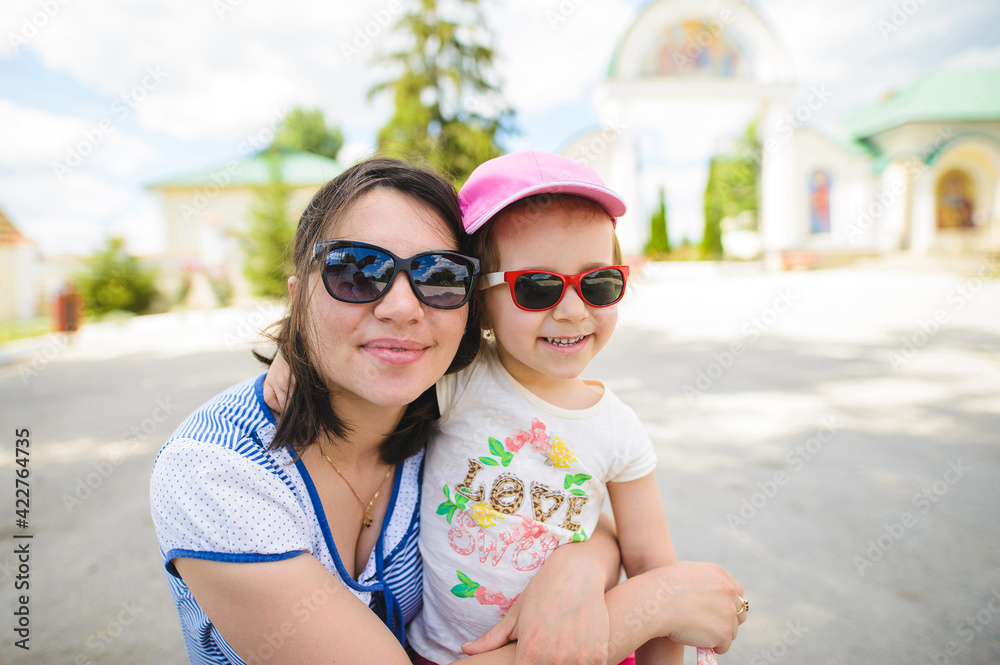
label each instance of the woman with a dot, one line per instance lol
(272, 532)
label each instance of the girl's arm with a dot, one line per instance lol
(645, 543)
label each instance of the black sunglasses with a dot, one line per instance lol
(538, 290)
(358, 272)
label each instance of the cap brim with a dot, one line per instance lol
(602, 196)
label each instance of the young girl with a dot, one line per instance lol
(526, 448)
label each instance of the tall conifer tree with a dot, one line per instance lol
(447, 104)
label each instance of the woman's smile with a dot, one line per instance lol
(397, 352)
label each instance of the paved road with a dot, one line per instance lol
(832, 438)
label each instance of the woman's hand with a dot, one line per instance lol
(277, 383)
(561, 617)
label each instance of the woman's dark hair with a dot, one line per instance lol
(308, 412)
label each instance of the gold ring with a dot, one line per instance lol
(745, 607)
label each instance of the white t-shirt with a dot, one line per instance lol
(508, 478)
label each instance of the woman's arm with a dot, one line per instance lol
(645, 543)
(291, 611)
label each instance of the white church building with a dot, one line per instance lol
(918, 171)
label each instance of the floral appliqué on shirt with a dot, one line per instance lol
(474, 511)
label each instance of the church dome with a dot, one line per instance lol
(699, 40)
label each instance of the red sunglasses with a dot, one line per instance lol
(538, 290)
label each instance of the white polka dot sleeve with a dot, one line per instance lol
(211, 502)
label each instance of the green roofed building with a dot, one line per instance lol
(917, 171)
(207, 210)
(936, 163)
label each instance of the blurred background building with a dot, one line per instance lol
(18, 273)
(208, 211)
(917, 170)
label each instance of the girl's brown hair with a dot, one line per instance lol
(308, 412)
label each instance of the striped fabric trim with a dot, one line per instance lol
(408, 587)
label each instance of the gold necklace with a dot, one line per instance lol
(367, 522)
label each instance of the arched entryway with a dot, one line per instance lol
(956, 200)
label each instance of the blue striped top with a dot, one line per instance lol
(217, 493)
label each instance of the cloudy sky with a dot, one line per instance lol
(99, 97)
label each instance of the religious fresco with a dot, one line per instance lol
(695, 47)
(955, 200)
(819, 202)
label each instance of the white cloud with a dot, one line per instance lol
(33, 138)
(555, 51)
(68, 209)
(64, 181)
(220, 74)
(63, 217)
(975, 58)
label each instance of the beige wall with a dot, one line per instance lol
(19, 295)
(204, 223)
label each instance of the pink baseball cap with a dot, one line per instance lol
(497, 183)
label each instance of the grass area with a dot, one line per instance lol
(19, 329)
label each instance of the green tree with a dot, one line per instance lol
(113, 280)
(659, 241)
(306, 129)
(447, 109)
(733, 184)
(267, 242)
